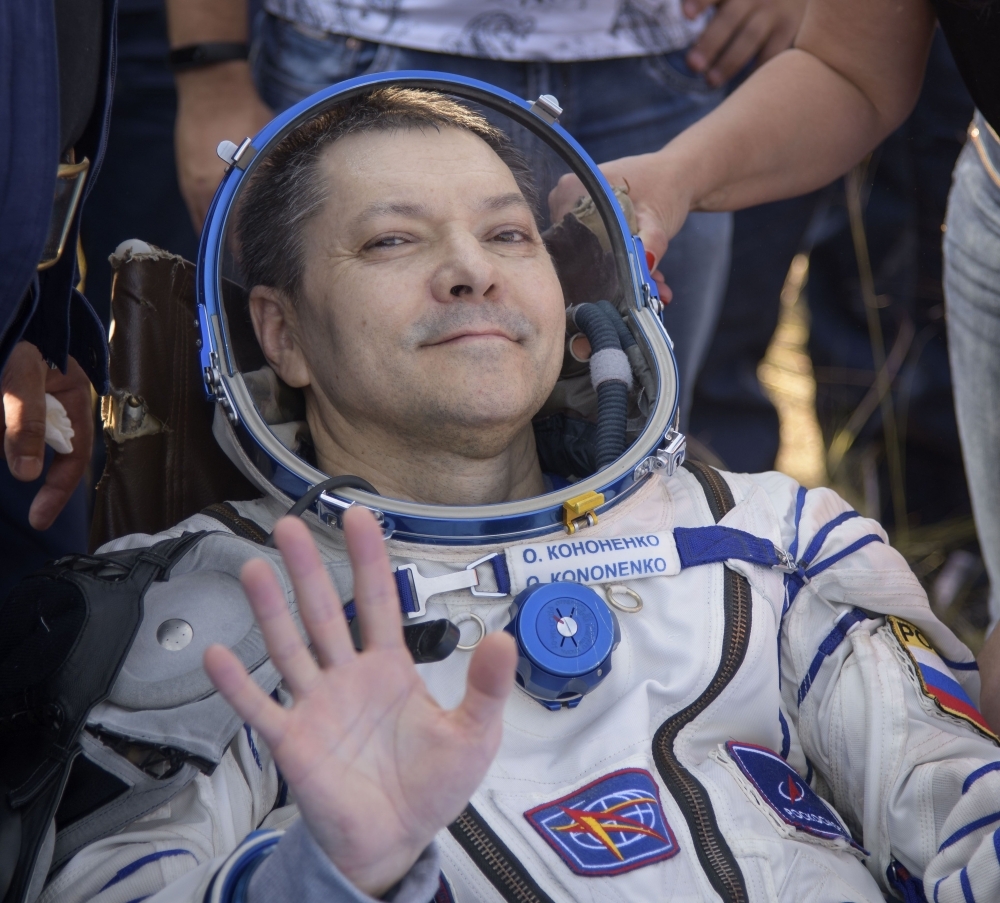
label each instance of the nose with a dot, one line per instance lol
(466, 271)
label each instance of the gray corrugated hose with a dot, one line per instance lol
(611, 376)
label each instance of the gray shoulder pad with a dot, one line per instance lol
(162, 695)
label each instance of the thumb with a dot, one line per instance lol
(652, 233)
(491, 676)
(24, 411)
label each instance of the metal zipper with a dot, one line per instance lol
(509, 877)
(713, 852)
(494, 860)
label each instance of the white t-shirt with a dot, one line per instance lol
(550, 30)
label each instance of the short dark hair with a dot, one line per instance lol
(283, 193)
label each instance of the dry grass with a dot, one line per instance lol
(787, 375)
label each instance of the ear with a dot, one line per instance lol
(274, 322)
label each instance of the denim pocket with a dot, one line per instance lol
(290, 63)
(672, 71)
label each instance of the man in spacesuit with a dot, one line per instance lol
(778, 714)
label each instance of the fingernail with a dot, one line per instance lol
(26, 467)
(650, 259)
(690, 10)
(696, 60)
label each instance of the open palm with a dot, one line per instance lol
(376, 765)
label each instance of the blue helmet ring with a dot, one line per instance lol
(268, 461)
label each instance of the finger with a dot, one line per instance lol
(744, 47)
(65, 471)
(719, 32)
(251, 703)
(490, 679)
(23, 386)
(666, 293)
(781, 39)
(564, 197)
(281, 636)
(652, 232)
(319, 604)
(375, 592)
(694, 8)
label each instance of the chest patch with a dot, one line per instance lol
(786, 792)
(936, 680)
(613, 825)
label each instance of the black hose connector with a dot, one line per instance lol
(346, 481)
(611, 377)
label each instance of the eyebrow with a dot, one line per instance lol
(490, 204)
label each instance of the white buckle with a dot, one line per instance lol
(472, 567)
(425, 587)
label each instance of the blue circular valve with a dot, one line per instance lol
(565, 635)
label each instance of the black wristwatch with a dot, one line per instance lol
(197, 56)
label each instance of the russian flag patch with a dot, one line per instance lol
(613, 825)
(936, 680)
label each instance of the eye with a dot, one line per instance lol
(512, 236)
(385, 241)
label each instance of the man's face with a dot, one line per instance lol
(430, 308)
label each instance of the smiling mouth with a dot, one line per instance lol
(473, 336)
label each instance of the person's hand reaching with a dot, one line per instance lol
(26, 378)
(740, 31)
(376, 766)
(660, 201)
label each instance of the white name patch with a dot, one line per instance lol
(585, 560)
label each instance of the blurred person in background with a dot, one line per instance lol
(138, 195)
(630, 74)
(56, 75)
(903, 202)
(809, 114)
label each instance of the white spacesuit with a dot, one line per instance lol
(775, 712)
(695, 709)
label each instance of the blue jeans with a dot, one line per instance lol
(614, 108)
(972, 295)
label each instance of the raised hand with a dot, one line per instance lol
(376, 766)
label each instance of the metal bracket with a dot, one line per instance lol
(547, 108)
(331, 509)
(236, 155)
(668, 458)
(217, 389)
(650, 300)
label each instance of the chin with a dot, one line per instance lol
(475, 424)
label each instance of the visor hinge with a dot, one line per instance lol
(651, 300)
(666, 459)
(238, 155)
(547, 108)
(581, 511)
(216, 388)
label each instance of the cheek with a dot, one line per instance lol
(550, 310)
